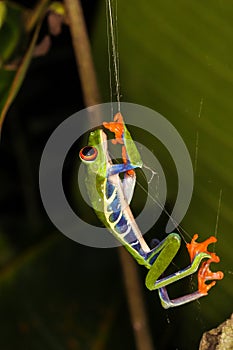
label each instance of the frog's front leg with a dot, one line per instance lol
(128, 185)
(166, 251)
(121, 168)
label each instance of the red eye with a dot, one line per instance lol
(88, 153)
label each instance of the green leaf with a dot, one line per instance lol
(176, 58)
(12, 32)
(19, 31)
(3, 12)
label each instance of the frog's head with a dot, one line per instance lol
(95, 154)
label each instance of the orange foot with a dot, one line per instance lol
(117, 127)
(204, 273)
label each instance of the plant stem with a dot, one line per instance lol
(82, 52)
(35, 14)
(136, 303)
(91, 97)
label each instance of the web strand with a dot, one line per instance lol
(218, 214)
(109, 59)
(112, 42)
(197, 138)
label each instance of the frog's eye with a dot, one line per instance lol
(88, 154)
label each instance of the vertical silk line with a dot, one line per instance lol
(115, 55)
(109, 58)
(196, 152)
(117, 49)
(197, 138)
(200, 109)
(218, 213)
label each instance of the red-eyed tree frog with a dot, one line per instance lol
(113, 209)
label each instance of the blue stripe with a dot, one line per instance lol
(114, 216)
(122, 226)
(109, 189)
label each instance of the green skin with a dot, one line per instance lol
(98, 173)
(12, 32)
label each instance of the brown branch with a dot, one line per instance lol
(37, 13)
(82, 52)
(135, 301)
(91, 97)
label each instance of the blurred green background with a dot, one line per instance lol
(176, 58)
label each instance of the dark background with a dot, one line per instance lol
(55, 293)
